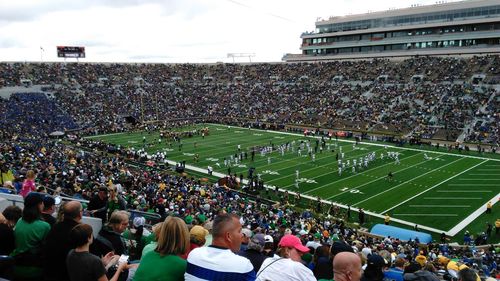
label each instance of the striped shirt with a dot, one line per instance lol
(218, 264)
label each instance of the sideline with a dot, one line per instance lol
(105, 135)
(461, 225)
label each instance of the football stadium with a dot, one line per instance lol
(373, 154)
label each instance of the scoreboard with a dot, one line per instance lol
(70, 52)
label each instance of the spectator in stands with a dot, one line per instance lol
(467, 274)
(28, 184)
(83, 265)
(288, 265)
(219, 261)
(315, 242)
(247, 233)
(6, 174)
(49, 207)
(165, 263)
(58, 244)
(427, 273)
(8, 219)
(347, 267)
(152, 245)
(375, 268)
(324, 270)
(322, 263)
(396, 272)
(139, 235)
(99, 203)
(421, 259)
(115, 201)
(412, 267)
(110, 237)
(30, 233)
(254, 251)
(198, 238)
(269, 246)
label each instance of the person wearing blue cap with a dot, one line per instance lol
(375, 269)
(49, 207)
(254, 251)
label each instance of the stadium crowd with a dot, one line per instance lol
(376, 96)
(199, 222)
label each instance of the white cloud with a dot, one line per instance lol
(167, 30)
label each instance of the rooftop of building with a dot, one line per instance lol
(440, 6)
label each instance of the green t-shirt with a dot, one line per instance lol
(29, 236)
(148, 248)
(113, 206)
(158, 268)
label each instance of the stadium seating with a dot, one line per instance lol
(304, 93)
(95, 98)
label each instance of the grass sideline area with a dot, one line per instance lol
(429, 187)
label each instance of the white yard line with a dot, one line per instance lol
(457, 228)
(462, 191)
(106, 135)
(439, 206)
(472, 184)
(452, 198)
(479, 179)
(396, 186)
(432, 187)
(428, 215)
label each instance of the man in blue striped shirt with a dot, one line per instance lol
(218, 261)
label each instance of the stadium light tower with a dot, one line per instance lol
(241, 55)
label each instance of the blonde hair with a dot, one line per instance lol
(173, 238)
(117, 217)
(30, 174)
(156, 230)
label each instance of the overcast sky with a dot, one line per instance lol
(167, 30)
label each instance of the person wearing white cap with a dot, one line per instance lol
(269, 246)
(247, 233)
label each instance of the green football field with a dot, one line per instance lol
(437, 190)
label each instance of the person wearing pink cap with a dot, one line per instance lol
(288, 265)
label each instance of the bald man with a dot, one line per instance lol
(347, 267)
(57, 243)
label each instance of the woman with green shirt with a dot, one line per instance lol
(164, 263)
(30, 233)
